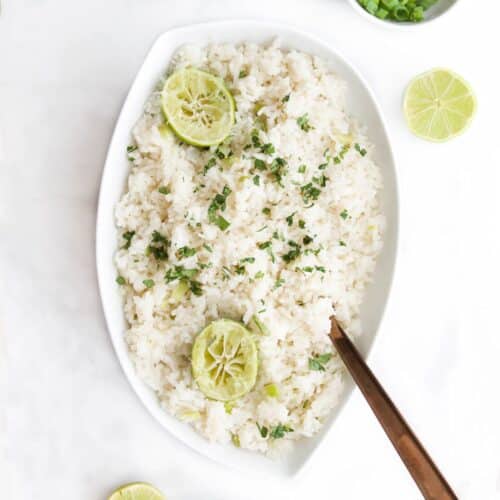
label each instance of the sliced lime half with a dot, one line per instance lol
(438, 105)
(136, 491)
(198, 106)
(224, 360)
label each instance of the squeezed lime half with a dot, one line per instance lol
(439, 105)
(136, 491)
(224, 360)
(198, 107)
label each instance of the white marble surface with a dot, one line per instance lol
(74, 427)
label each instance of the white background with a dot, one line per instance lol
(74, 427)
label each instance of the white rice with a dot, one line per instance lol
(345, 223)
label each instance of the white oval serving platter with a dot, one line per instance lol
(361, 104)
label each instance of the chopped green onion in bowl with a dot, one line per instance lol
(406, 11)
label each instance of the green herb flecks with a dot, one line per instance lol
(259, 164)
(120, 280)
(344, 214)
(289, 219)
(279, 431)
(148, 283)
(293, 253)
(163, 190)
(184, 252)
(219, 203)
(263, 430)
(278, 170)
(159, 246)
(127, 236)
(338, 159)
(211, 163)
(267, 149)
(303, 123)
(317, 363)
(243, 73)
(278, 283)
(359, 149)
(309, 192)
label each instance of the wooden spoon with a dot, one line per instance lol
(431, 482)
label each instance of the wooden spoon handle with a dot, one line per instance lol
(431, 482)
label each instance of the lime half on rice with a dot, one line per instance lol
(438, 105)
(136, 491)
(224, 360)
(198, 106)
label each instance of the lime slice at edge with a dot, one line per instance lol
(136, 491)
(438, 105)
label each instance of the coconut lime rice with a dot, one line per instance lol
(277, 228)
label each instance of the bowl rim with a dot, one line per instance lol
(102, 220)
(401, 26)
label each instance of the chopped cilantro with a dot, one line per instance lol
(317, 363)
(263, 245)
(251, 260)
(302, 224)
(342, 243)
(286, 98)
(148, 283)
(208, 248)
(256, 180)
(195, 287)
(309, 192)
(120, 280)
(279, 431)
(239, 269)
(293, 253)
(211, 163)
(259, 164)
(219, 203)
(289, 219)
(131, 149)
(321, 180)
(303, 123)
(266, 210)
(127, 236)
(267, 149)
(243, 73)
(307, 239)
(263, 430)
(159, 246)
(180, 273)
(259, 275)
(184, 252)
(359, 149)
(302, 169)
(278, 169)
(344, 214)
(163, 190)
(279, 282)
(255, 138)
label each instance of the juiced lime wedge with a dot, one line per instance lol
(439, 105)
(198, 106)
(136, 491)
(224, 360)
